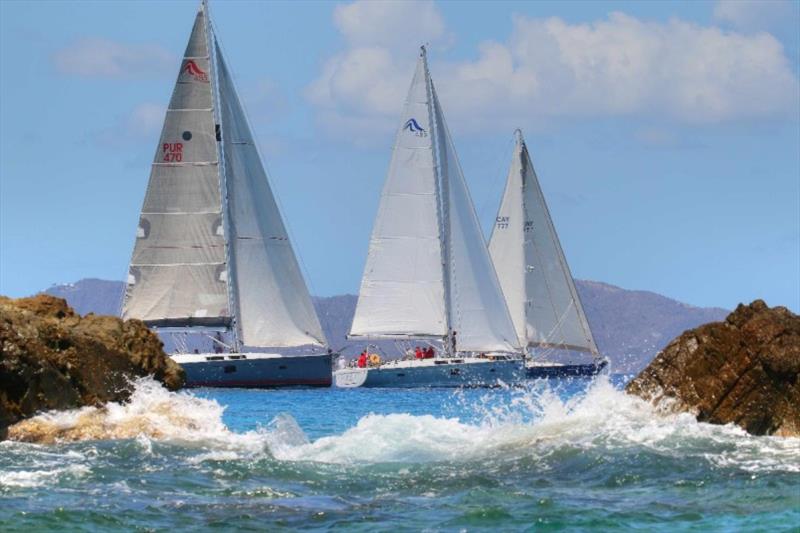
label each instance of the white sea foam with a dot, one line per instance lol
(535, 422)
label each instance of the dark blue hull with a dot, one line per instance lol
(563, 371)
(257, 373)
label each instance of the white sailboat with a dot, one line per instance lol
(212, 255)
(533, 272)
(428, 274)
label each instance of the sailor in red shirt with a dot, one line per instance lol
(418, 354)
(362, 360)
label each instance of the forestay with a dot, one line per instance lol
(178, 270)
(274, 306)
(531, 266)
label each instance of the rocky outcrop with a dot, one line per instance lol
(52, 358)
(745, 370)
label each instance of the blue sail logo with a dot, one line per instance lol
(413, 126)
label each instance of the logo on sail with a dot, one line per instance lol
(413, 126)
(194, 71)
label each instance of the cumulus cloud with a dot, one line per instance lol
(390, 23)
(146, 119)
(98, 57)
(550, 69)
(758, 15)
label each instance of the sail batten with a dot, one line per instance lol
(533, 271)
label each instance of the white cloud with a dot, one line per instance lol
(146, 119)
(757, 15)
(550, 69)
(389, 23)
(98, 57)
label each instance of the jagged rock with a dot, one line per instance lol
(745, 370)
(52, 358)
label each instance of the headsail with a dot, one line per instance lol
(274, 306)
(531, 266)
(402, 290)
(478, 311)
(178, 272)
(428, 270)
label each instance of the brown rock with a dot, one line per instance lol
(52, 358)
(745, 370)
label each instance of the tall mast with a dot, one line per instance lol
(211, 43)
(441, 204)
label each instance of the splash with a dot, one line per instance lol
(152, 412)
(523, 424)
(536, 424)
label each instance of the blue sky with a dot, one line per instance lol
(666, 135)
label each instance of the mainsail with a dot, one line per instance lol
(428, 272)
(531, 266)
(203, 258)
(178, 272)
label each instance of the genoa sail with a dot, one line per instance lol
(428, 271)
(530, 263)
(274, 305)
(178, 271)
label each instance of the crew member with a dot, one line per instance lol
(362, 360)
(418, 353)
(429, 353)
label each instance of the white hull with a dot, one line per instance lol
(440, 372)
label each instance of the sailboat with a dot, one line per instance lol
(428, 275)
(212, 257)
(536, 280)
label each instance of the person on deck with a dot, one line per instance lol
(418, 354)
(362, 360)
(429, 353)
(453, 338)
(218, 344)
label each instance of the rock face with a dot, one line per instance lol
(52, 358)
(745, 370)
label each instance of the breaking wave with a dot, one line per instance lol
(527, 424)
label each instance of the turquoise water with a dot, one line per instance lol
(557, 455)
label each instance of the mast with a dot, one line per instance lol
(211, 42)
(442, 204)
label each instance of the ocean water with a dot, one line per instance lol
(577, 455)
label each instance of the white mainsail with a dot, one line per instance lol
(202, 257)
(428, 271)
(178, 272)
(402, 290)
(274, 306)
(531, 266)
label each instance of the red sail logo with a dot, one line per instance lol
(194, 71)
